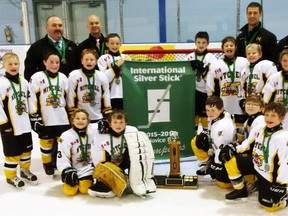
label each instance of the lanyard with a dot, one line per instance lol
(61, 51)
(83, 149)
(100, 52)
(202, 59)
(285, 98)
(52, 90)
(121, 145)
(18, 97)
(266, 149)
(232, 73)
(91, 87)
(250, 80)
(251, 40)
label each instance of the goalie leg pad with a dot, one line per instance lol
(111, 175)
(141, 164)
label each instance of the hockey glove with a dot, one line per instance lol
(69, 176)
(36, 123)
(103, 126)
(215, 167)
(227, 152)
(197, 65)
(202, 141)
(279, 193)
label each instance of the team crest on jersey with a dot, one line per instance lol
(230, 88)
(21, 109)
(259, 39)
(220, 133)
(258, 159)
(50, 100)
(86, 98)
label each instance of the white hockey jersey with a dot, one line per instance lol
(101, 147)
(8, 105)
(258, 75)
(276, 168)
(276, 86)
(230, 92)
(105, 63)
(258, 121)
(221, 131)
(70, 153)
(208, 59)
(41, 93)
(79, 93)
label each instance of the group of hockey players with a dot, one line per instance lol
(97, 152)
(241, 102)
(243, 111)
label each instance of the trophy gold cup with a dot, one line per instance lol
(174, 179)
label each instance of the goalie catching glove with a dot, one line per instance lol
(227, 152)
(202, 141)
(69, 176)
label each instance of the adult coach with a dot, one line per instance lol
(53, 41)
(96, 39)
(253, 32)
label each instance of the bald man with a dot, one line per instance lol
(96, 39)
(67, 49)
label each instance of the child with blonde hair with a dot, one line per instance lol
(15, 124)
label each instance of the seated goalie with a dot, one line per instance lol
(123, 156)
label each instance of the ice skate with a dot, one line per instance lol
(49, 170)
(28, 176)
(16, 182)
(237, 195)
(99, 189)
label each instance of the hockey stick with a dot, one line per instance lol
(156, 109)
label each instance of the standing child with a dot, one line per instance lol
(200, 62)
(259, 70)
(276, 86)
(111, 64)
(48, 107)
(14, 123)
(225, 80)
(89, 88)
(74, 155)
(206, 147)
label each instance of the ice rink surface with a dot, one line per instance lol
(47, 198)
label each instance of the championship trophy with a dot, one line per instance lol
(175, 179)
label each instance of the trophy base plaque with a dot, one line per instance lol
(175, 180)
(181, 182)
